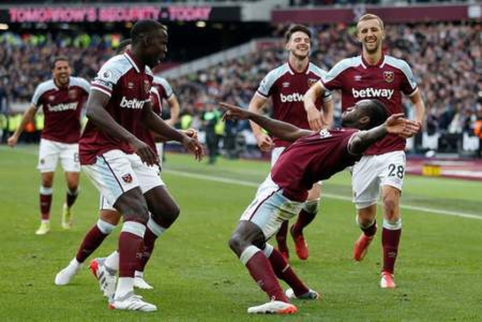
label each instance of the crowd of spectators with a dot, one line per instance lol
(445, 57)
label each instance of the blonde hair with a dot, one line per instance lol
(370, 16)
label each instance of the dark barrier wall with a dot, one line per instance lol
(409, 13)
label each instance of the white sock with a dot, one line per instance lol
(45, 221)
(125, 285)
(112, 261)
(139, 274)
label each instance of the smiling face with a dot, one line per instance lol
(370, 33)
(61, 73)
(299, 45)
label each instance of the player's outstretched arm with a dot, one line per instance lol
(192, 133)
(395, 124)
(282, 130)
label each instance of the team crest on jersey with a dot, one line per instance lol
(311, 81)
(147, 86)
(127, 178)
(388, 76)
(72, 94)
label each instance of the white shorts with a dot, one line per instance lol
(374, 171)
(104, 204)
(270, 208)
(116, 172)
(51, 151)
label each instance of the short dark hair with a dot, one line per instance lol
(377, 112)
(295, 28)
(371, 16)
(122, 45)
(143, 28)
(56, 59)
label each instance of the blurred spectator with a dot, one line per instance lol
(210, 119)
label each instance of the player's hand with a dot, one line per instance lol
(233, 112)
(411, 129)
(315, 119)
(144, 152)
(397, 124)
(265, 143)
(192, 133)
(12, 141)
(194, 146)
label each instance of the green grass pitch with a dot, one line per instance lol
(197, 278)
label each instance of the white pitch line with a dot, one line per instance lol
(324, 195)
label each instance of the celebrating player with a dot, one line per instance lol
(61, 100)
(122, 166)
(382, 168)
(314, 156)
(286, 85)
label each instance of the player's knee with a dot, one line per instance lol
(172, 214)
(364, 222)
(165, 216)
(135, 211)
(311, 206)
(390, 207)
(235, 243)
(238, 242)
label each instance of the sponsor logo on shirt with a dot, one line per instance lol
(62, 107)
(295, 97)
(133, 103)
(372, 92)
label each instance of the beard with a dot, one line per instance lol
(372, 50)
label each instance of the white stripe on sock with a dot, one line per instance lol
(134, 228)
(249, 252)
(155, 228)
